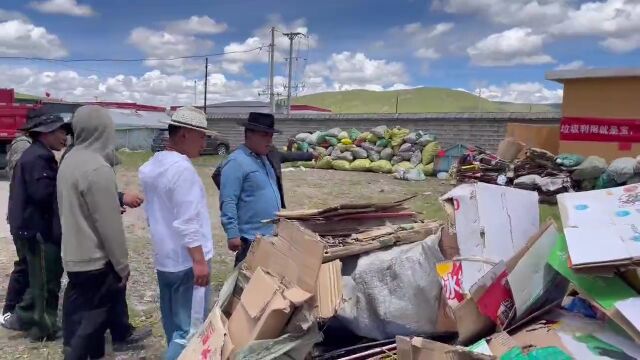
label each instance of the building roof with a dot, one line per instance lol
(309, 108)
(564, 75)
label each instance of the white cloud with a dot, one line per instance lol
(6, 15)
(532, 13)
(21, 38)
(427, 54)
(578, 64)
(530, 92)
(154, 87)
(197, 25)
(163, 44)
(516, 46)
(347, 71)
(262, 37)
(622, 45)
(617, 20)
(63, 7)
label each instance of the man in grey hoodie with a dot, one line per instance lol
(94, 249)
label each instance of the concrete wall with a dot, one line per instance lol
(481, 129)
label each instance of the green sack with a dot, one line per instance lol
(325, 163)
(341, 165)
(383, 143)
(606, 181)
(397, 136)
(343, 147)
(405, 165)
(544, 353)
(303, 146)
(381, 166)
(372, 139)
(343, 135)
(361, 165)
(331, 140)
(354, 134)
(569, 160)
(429, 153)
(429, 169)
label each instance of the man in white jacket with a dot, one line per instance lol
(176, 207)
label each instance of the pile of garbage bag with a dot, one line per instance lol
(547, 173)
(408, 154)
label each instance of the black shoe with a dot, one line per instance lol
(13, 323)
(133, 341)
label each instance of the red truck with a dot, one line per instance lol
(12, 117)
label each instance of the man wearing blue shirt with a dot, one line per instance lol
(249, 192)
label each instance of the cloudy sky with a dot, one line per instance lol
(498, 48)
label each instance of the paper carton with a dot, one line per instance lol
(295, 255)
(601, 226)
(417, 348)
(329, 290)
(263, 310)
(492, 223)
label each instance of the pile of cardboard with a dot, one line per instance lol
(280, 280)
(529, 300)
(354, 229)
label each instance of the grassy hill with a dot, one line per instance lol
(418, 100)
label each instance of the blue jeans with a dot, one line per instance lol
(183, 306)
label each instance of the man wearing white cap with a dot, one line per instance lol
(176, 207)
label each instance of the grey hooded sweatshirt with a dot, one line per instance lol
(92, 230)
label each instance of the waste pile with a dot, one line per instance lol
(408, 154)
(372, 281)
(544, 172)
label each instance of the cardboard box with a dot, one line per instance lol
(545, 137)
(601, 226)
(210, 340)
(492, 223)
(329, 290)
(263, 311)
(417, 348)
(295, 255)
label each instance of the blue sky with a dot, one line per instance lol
(500, 49)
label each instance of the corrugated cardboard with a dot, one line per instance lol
(211, 340)
(329, 289)
(424, 349)
(295, 255)
(601, 226)
(545, 137)
(263, 311)
(492, 223)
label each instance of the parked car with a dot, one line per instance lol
(216, 144)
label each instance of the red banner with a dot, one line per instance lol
(603, 130)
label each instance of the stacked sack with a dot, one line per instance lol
(594, 173)
(380, 150)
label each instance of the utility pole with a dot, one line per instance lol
(292, 36)
(271, 69)
(195, 92)
(206, 80)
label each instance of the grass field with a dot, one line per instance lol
(304, 189)
(418, 100)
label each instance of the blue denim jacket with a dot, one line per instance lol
(248, 195)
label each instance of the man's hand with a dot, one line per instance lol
(200, 273)
(132, 200)
(234, 244)
(125, 279)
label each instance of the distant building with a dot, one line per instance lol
(600, 112)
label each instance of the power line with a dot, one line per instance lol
(130, 60)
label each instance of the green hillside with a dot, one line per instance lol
(418, 100)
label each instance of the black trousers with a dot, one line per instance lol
(244, 250)
(18, 281)
(91, 299)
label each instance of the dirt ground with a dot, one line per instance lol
(305, 189)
